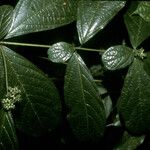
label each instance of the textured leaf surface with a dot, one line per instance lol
(93, 16)
(39, 109)
(134, 102)
(143, 10)
(6, 13)
(8, 138)
(86, 111)
(36, 15)
(138, 29)
(147, 63)
(129, 142)
(60, 52)
(117, 57)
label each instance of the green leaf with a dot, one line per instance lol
(117, 57)
(129, 142)
(134, 102)
(143, 10)
(40, 107)
(93, 16)
(8, 139)
(147, 63)
(6, 13)
(60, 52)
(138, 29)
(36, 15)
(86, 111)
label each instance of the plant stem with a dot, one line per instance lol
(48, 46)
(90, 49)
(25, 44)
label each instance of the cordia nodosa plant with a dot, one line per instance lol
(74, 73)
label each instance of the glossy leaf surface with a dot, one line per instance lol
(8, 138)
(60, 52)
(93, 16)
(36, 15)
(86, 111)
(134, 102)
(6, 13)
(40, 108)
(117, 57)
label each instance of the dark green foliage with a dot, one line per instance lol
(134, 101)
(86, 110)
(129, 142)
(6, 12)
(75, 97)
(8, 137)
(143, 10)
(138, 29)
(101, 12)
(117, 57)
(36, 15)
(60, 52)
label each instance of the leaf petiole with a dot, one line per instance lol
(48, 46)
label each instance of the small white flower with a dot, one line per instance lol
(140, 53)
(13, 95)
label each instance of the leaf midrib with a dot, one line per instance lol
(138, 88)
(83, 96)
(24, 91)
(138, 32)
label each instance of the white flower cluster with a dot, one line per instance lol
(140, 53)
(13, 95)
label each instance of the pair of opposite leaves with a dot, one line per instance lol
(134, 101)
